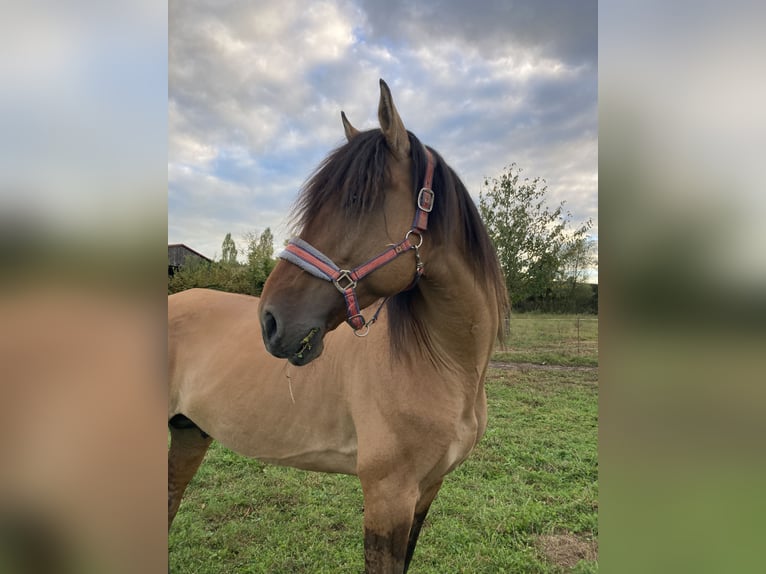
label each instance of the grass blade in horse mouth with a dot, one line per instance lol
(306, 343)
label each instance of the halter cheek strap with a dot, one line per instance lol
(313, 261)
(316, 263)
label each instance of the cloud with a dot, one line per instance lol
(556, 29)
(256, 89)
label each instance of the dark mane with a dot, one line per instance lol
(352, 178)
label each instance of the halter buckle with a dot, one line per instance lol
(345, 275)
(426, 200)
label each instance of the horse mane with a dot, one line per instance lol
(352, 178)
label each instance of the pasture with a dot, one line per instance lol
(526, 500)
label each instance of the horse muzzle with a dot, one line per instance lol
(300, 345)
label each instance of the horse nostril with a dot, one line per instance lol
(269, 326)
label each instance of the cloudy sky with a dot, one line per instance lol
(256, 89)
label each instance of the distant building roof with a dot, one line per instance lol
(178, 252)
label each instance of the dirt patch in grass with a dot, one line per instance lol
(566, 550)
(535, 366)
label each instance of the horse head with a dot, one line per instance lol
(362, 219)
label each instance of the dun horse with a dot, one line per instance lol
(386, 227)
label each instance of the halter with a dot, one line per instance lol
(313, 261)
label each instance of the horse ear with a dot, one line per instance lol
(351, 131)
(391, 124)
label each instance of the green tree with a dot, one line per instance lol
(199, 273)
(228, 274)
(260, 258)
(228, 251)
(534, 243)
(578, 258)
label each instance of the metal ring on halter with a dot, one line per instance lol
(363, 332)
(416, 232)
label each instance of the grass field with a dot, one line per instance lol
(570, 340)
(526, 500)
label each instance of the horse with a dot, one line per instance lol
(398, 398)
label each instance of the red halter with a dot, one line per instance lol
(313, 261)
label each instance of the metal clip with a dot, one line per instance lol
(418, 262)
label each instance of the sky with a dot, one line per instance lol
(256, 89)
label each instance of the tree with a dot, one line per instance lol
(260, 258)
(534, 244)
(228, 251)
(228, 274)
(200, 273)
(578, 258)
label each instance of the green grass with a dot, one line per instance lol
(570, 340)
(531, 484)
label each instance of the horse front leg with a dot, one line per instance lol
(421, 510)
(389, 508)
(188, 445)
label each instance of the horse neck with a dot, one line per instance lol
(460, 315)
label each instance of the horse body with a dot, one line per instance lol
(401, 407)
(314, 417)
(243, 399)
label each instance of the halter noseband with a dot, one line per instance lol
(316, 263)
